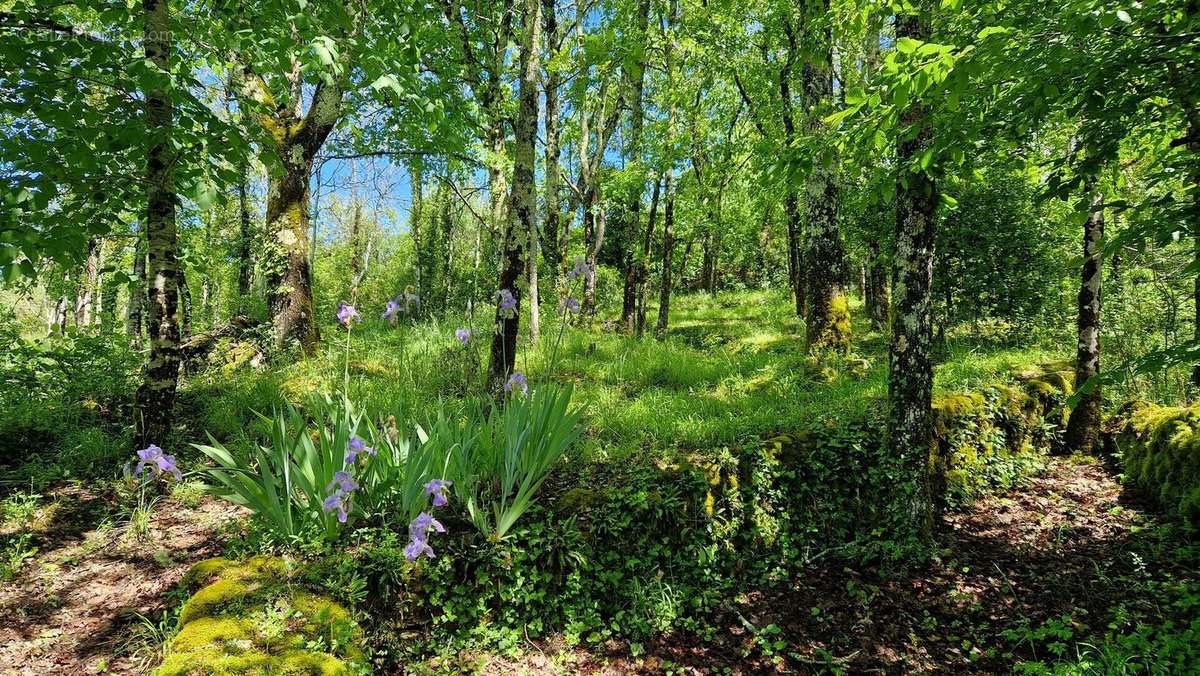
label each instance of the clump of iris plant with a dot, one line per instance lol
(390, 312)
(347, 314)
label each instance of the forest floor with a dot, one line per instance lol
(1021, 576)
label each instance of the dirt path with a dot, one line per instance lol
(72, 608)
(1061, 552)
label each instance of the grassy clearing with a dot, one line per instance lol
(731, 368)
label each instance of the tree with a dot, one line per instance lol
(523, 203)
(156, 396)
(910, 368)
(1083, 424)
(828, 318)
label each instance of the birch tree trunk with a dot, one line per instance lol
(1083, 425)
(85, 296)
(668, 247)
(156, 396)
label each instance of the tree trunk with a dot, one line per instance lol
(156, 396)
(910, 374)
(85, 296)
(417, 179)
(245, 239)
(636, 73)
(535, 310)
(522, 216)
(1083, 425)
(828, 319)
(289, 277)
(554, 243)
(791, 200)
(643, 261)
(876, 295)
(137, 291)
(593, 239)
(668, 247)
(708, 268)
(108, 296)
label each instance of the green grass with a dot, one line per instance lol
(731, 369)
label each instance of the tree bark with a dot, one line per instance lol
(156, 396)
(643, 261)
(137, 291)
(877, 298)
(593, 239)
(417, 179)
(554, 243)
(245, 239)
(1083, 425)
(632, 216)
(522, 214)
(85, 295)
(289, 277)
(668, 247)
(828, 318)
(910, 374)
(791, 200)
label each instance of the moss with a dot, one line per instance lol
(1160, 451)
(246, 619)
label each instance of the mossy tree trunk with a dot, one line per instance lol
(522, 199)
(85, 295)
(910, 375)
(289, 277)
(1083, 425)
(828, 317)
(156, 395)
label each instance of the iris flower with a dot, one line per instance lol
(437, 490)
(517, 381)
(159, 463)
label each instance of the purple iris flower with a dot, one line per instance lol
(346, 314)
(581, 269)
(341, 502)
(416, 548)
(508, 303)
(355, 448)
(344, 481)
(391, 310)
(517, 381)
(418, 533)
(572, 305)
(463, 336)
(437, 489)
(158, 462)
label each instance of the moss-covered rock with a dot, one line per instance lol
(250, 617)
(1159, 448)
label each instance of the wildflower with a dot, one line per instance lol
(508, 303)
(437, 489)
(572, 305)
(340, 500)
(418, 533)
(346, 313)
(344, 481)
(463, 335)
(581, 269)
(159, 463)
(355, 448)
(517, 381)
(390, 311)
